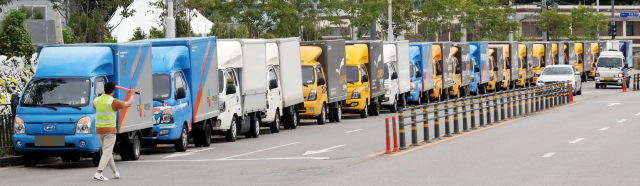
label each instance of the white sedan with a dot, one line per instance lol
(561, 73)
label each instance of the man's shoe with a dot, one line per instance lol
(99, 177)
(116, 175)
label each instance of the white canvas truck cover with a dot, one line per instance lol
(404, 81)
(288, 67)
(253, 87)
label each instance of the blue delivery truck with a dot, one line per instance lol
(421, 73)
(55, 117)
(481, 67)
(185, 91)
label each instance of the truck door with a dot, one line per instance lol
(99, 87)
(232, 99)
(323, 87)
(182, 103)
(274, 91)
(363, 71)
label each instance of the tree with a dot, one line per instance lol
(157, 33)
(363, 14)
(138, 34)
(227, 31)
(437, 16)
(587, 24)
(87, 19)
(4, 3)
(489, 19)
(402, 17)
(557, 25)
(14, 35)
(332, 10)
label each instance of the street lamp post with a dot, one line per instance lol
(170, 22)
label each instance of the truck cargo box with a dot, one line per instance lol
(570, 53)
(334, 65)
(201, 73)
(402, 65)
(514, 58)
(587, 56)
(288, 67)
(252, 71)
(528, 58)
(482, 55)
(465, 63)
(548, 53)
(126, 64)
(447, 64)
(374, 66)
(499, 59)
(424, 58)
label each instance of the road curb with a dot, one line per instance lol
(17, 161)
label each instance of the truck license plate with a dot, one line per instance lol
(608, 79)
(49, 141)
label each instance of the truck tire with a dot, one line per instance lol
(206, 135)
(182, 142)
(275, 125)
(286, 119)
(394, 107)
(377, 108)
(255, 129)
(364, 112)
(330, 115)
(231, 134)
(131, 151)
(293, 120)
(66, 159)
(322, 118)
(96, 158)
(30, 160)
(337, 114)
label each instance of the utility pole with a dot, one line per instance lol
(613, 20)
(510, 32)
(170, 22)
(177, 18)
(390, 27)
(598, 13)
(543, 5)
(58, 25)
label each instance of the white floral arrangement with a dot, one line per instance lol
(15, 72)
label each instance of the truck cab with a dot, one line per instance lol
(493, 73)
(421, 65)
(524, 74)
(554, 53)
(457, 73)
(55, 116)
(481, 67)
(314, 84)
(611, 68)
(390, 78)
(595, 52)
(538, 62)
(230, 103)
(505, 81)
(358, 79)
(580, 60)
(436, 94)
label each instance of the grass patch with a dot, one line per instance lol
(7, 151)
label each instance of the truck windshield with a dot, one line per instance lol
(71, 92)
(557, 71)
(608, 62)
(386, 71)
(161, 86)
(308, 75)
(535, 62)
(353, 76)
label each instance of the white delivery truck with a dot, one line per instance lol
(242, 91)
(396, 74)
(284, 77)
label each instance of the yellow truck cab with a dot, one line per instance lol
(436, 52)
(364, 77)
(538, 61)
(456, 66)
(491, 86)
(324, 80)
(462, 69)
(525, 55)
(595, 52)
(506, 68)
(554, 53)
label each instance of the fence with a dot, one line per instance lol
(6, 127)
(636, 84)
(506, 105)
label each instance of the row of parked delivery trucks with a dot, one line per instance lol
(193, 88)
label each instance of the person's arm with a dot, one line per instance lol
(130, 100)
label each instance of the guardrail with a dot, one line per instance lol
(636, 79)
(506, 105)
(6, 126)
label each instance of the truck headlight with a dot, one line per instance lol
(18, 126)
(491, 78)
(620, 74)
(541, 82)
(537, 74)
(84, 125)
(413, 87)
(355, 94)
(223, 105)
(313, 95)
(166, 117)
(597, 74)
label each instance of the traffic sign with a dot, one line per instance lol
(629, 15)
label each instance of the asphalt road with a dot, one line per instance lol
(587, 143)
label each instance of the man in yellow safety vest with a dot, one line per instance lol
(106, 115)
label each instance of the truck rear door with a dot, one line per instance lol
(133, 71)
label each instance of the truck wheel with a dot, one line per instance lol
(134, 148)
(96, 158)
(66, 159)
(337, 114)
(255, 129)
(206, 135)
(286, 121)
(294, 120)
(364, 112)
(394, 107)
(330, 115)
(322, 118)
(231, 134)
(183, 141)
(30, 160)
(275, 125)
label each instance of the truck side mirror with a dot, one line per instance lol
(419, 74)
(365, 78)
(476, 68)
(273, 84)
(458, 70)
(15, 98)
(495, 68)
(394, 75)
(438, 72)
(181, 93)
(322, 81)
(231, 89)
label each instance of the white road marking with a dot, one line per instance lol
(622, 120)
(353, 131)
(612, 104)
(322, 151)
(604, 128)
(189, 152)
(586, 92)
(638, 114)
(548, 154)
(260, 150)
(577, 140)
(205, 160)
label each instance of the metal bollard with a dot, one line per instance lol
(502, 107)
(537, 99)
(473, 114)
(520, 102)
(425, 123)
(481, 112)
(488, 111)
(395, 134)
(495, 108)
(403, 142)
(414, 128)
(546, 98)
(447, 129)
(456, 124)
(436, 122)
(388, 151)
(465, 128)
(509, 95)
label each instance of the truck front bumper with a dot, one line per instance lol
(413, 96)
(355, 104)
(169, 131)
(609, 81)
(311, 108)
(389, 99)
(72, 143)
